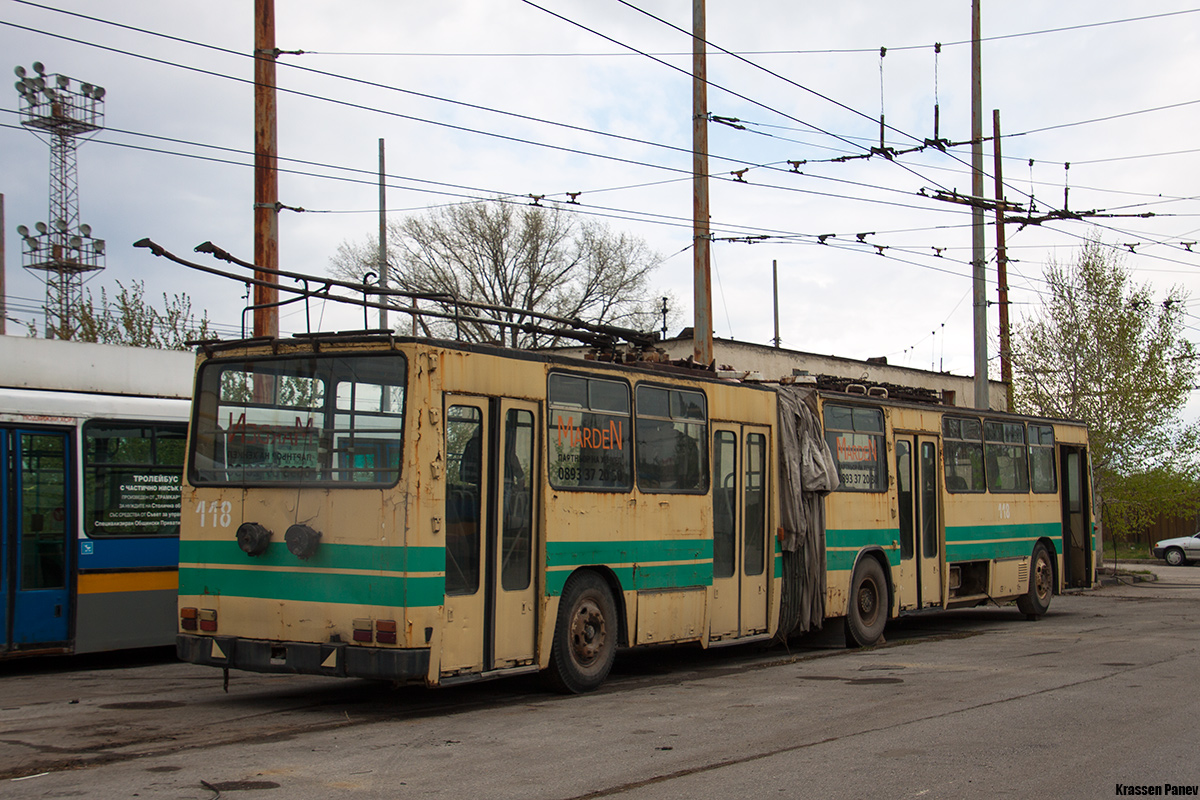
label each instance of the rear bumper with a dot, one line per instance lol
(335, 659)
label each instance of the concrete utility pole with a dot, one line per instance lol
(775, 294)
(702, 336)
(978, 257)
(1002, 266)
(266, 175)
(383, 259)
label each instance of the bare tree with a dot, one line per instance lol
(519, 258)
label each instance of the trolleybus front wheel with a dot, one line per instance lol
(585, 636)
(868, 610)
(1036, 602)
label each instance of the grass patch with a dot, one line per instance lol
(1125, 551)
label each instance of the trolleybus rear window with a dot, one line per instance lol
(332, 419)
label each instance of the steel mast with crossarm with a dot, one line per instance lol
(60, 110)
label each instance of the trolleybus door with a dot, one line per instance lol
(489, 618)
(919, 577)
(36, 524)
(1077, 555)
(741, 556)
(513, 538)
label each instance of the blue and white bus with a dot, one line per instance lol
(91, 453)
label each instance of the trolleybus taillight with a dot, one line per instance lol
(382, 631)
(203, 618)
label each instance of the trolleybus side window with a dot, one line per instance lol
(590, 433)
(672, 440)
(1042, 475)
(963, 454)
(332, 419)
(131, 474)
(855, 437)
(1006, 457)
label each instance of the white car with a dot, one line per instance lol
(1178, 551)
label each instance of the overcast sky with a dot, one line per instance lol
(490, 98)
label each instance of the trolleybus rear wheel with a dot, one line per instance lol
(1036, 601)
(868, 610)
(585, 636)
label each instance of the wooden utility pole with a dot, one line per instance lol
(978, 256)
(266, 175)
(383, 259)
(702, 336)
(1002, 265)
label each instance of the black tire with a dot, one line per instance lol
(585, 635)
(1174, 557)
(868, 611)
(1036, 602)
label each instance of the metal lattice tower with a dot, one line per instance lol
(60, 110)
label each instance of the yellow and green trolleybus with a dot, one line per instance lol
(432, 511)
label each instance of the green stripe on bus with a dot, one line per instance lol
(648, 558)
(570, 554)
(1036, 530)
(643, 577)
(314, 586)
(859, 538)
(844, 559)
(984, 542)
(328, 556)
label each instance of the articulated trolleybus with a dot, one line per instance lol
(429, 511)
(92, 440)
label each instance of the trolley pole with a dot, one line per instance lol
(266, 175)
(702, 335)
(978, 258)
(1002, 266)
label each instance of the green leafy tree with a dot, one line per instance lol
(1103, 350)
(130, 319)
(524, 258)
